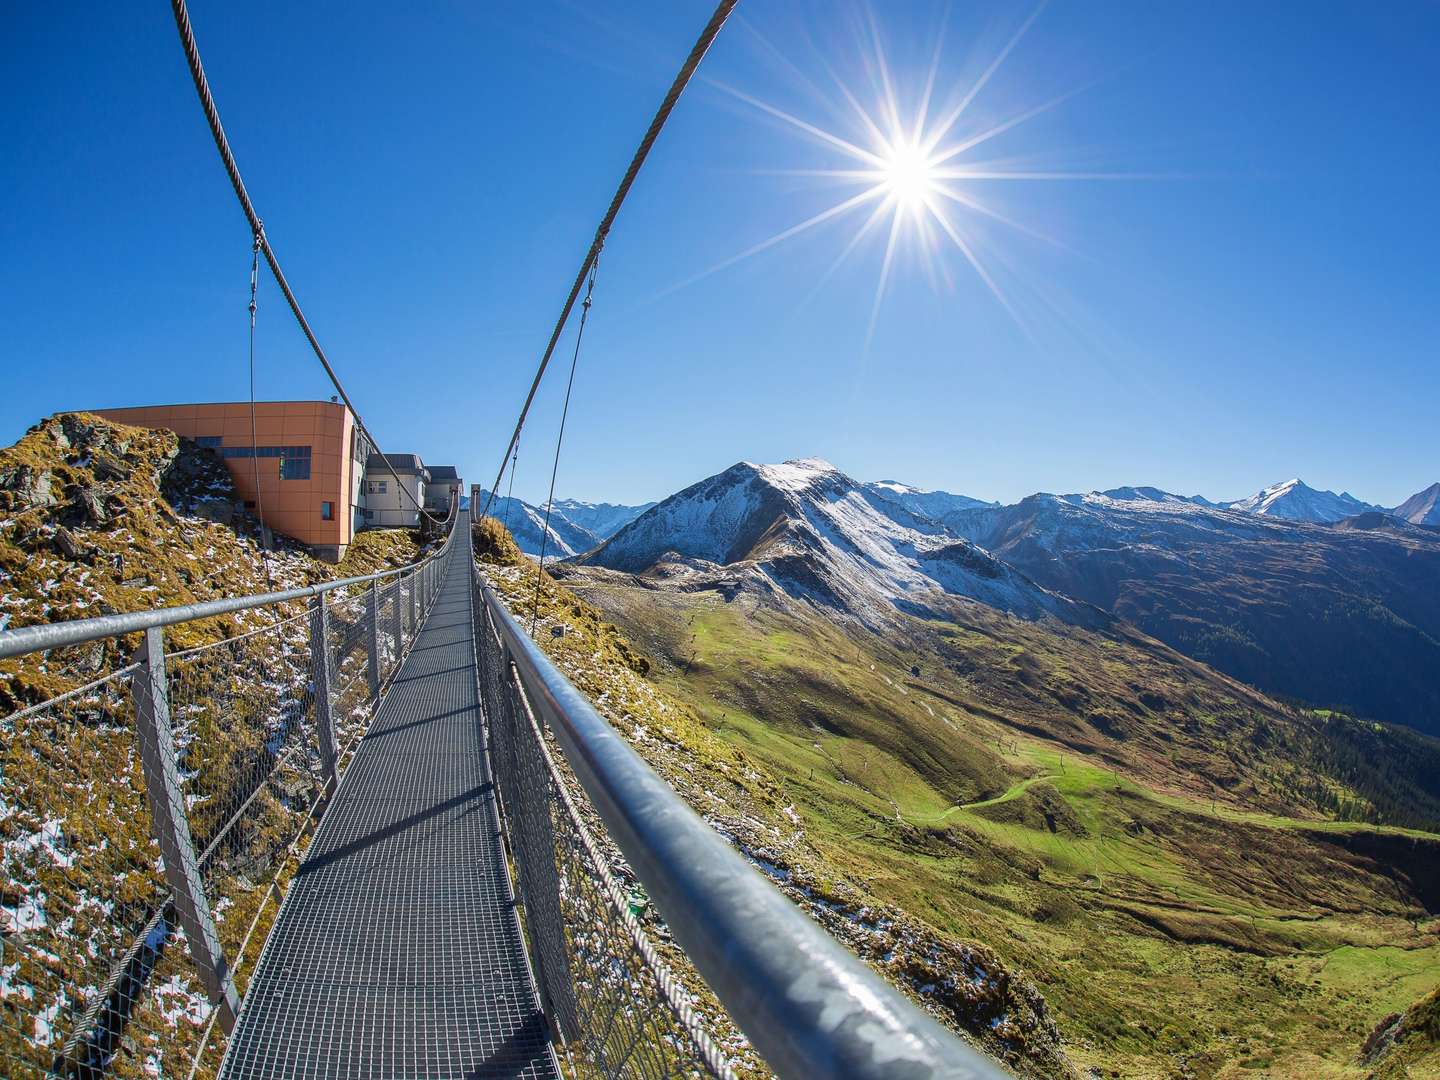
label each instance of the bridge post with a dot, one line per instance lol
(414, 603)
(372, 612)
(397, 618)
(171, 828)
(320, 673)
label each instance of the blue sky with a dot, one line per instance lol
(1255, 298)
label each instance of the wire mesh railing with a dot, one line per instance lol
(610, 995)
(150, 823)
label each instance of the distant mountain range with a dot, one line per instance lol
(1346, 616)
(578, 527)
(1294, 590)
(575, 526)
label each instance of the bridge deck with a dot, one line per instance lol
(397, 952)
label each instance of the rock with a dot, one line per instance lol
(91, 501)
(67, 545)
(297, 788)
(220, 511)
(32, 489)
(106, 467)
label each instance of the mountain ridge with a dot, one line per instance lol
(575, 526)
(811, 531)
(1295, 500)
(1422, 508)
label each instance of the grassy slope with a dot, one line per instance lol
(1191, 913)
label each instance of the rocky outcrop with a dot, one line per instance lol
(98, 517)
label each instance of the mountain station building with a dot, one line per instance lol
(312, 472)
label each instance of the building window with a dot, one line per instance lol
(285, 453)
(327, 511)
(377, 487)
(209, 441)
(294, 468)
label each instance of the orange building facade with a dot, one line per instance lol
(309, 455)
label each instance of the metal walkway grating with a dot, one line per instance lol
(397, 952)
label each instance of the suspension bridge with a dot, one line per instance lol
(368, 829)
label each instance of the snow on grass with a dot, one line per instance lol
(27, 914)
(10, 987)
(175, 1001)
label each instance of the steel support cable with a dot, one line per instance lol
(560, 439)
(254, 455)
(257, 227)
(510, 496)
(702, 45)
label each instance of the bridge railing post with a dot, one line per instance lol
(172, 829)
(414, 604)
(372, 613)
(320, 674)
(397, 617)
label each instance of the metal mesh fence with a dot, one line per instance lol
(246, 743)
(617, 1005)
(89, 969)
(98, 976)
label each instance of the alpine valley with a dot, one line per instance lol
(1171, 761)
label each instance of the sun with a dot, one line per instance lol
(919, 180)
(908, 175)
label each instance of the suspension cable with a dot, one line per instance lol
(254, 454)
(510, 495)
(702, 45)
(559, 439)
(217, 130)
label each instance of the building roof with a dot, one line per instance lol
(402, 463)
(443, 472)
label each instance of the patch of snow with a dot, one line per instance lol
(28, 914)
(10, 988)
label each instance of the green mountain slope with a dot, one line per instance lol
(1159, 848)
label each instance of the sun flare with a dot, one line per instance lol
(912, 159)
(908, 175)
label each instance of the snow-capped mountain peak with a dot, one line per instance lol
(809, 530)
(1422, 508)
(797, 474)
(1294, 500)
(574, 526)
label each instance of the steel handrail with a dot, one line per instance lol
(28, 639)
(808, 1004)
